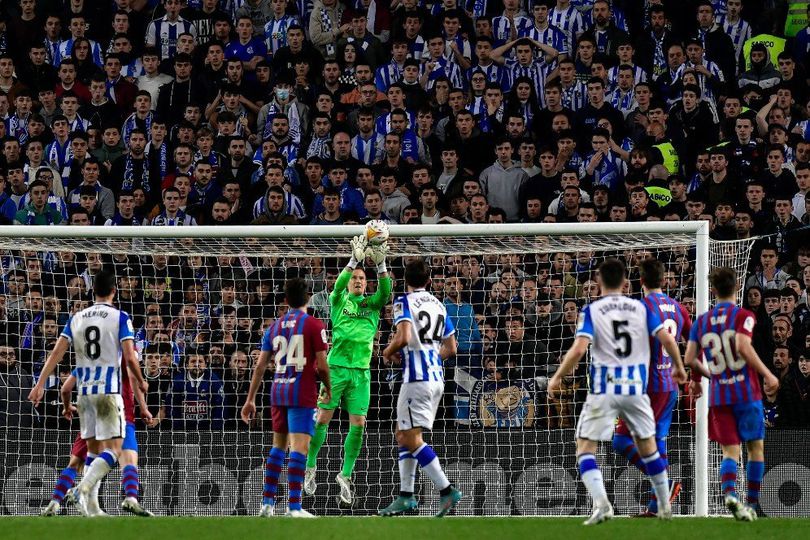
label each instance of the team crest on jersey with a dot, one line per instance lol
(398, 309)
(129, 326)
(580, 321)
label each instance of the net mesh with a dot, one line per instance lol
(514, 301)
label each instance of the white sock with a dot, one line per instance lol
(430, 465)
(407, 471)
(97, 470)
(659, 480)
(592, 478)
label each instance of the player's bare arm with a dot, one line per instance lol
(56, 356)
(568, 364)
(449, 347)
(68, 409)
(249, 408)
(131, 358)
(400, 339)
(749, 354)
(671, 347)
(322, 366)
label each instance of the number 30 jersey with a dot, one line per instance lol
(96, 334)
(293, 341)
(619, 329)
(715, 333)
(430, 326)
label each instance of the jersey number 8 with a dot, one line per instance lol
(721, 352)
(92, 346)
(291, 351)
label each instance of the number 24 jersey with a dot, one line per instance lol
(430, 326)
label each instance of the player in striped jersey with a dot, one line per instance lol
(512, 24)
(102, 338)
(80, 457)
(526, 65)
(424, 338)
(296, 347)
(163, 32)
(723, 336)
(566, 17)
(736, 28)
(618, 329)
(662, 388)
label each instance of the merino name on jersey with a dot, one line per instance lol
(421, 360)
(96, 334)
(619, 329)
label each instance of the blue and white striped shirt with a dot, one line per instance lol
(66, 49)
(275, 32)
(387, 75)
(550, 35)
(292, 206)
(431, 326)
(163, 34)
(570, 22)
(501, 28)
(739, 32)
(96, 334)
(367, 150)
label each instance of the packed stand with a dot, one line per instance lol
(234, 112)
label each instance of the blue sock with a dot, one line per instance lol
(728, 476)
(272, 470)
(755, 470)
(66, 480)
(295, 476)
(89, 459)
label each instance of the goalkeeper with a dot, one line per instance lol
(355, 319)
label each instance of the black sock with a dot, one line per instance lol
(406, 494)
(446, 491)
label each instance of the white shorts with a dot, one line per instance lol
(598, 417)
(101, 417)
(417, 404)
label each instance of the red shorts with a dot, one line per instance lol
(662, 403)
(79, 448)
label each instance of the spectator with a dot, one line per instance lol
(196, 399)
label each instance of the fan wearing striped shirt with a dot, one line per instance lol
(102, 338)
(618, 330)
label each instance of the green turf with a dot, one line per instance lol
(237, 528)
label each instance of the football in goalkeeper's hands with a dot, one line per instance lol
(376, 232)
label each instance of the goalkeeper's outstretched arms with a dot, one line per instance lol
(377, 254)
(358, 245)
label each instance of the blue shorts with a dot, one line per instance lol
(293, 420)
(733, 424)
(130, 442)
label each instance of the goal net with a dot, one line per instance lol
(513, 293)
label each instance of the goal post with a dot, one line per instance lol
(500, 436)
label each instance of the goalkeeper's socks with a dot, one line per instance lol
(295, 476)
(728, 476)
(100, 467)
(430, 464)
(316, 443)
(592, 478)
(272, 470)
(407, 471)
(624, 445)
(130, 481)
(754, 471)
(657, 470)
(66, 480)
(351, 449)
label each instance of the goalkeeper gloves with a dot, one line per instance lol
(377, 254)
(358, 246)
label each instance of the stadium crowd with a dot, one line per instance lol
(271, 112)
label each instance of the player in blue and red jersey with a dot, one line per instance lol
(662, 386)
(723, 335)
(296, 345)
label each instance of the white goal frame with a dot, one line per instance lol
(698, 229)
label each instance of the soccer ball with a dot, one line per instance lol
(376, 232)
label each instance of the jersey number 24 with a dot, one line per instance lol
(291, 351)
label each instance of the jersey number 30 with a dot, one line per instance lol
(721, 353)
(292, 352)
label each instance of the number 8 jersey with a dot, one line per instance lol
(619, 329)
(715, 332)
(428, 316)
(96, 334)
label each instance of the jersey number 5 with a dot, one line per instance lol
(291, 351)
(620, 334)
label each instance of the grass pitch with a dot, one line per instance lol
(249, 528)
